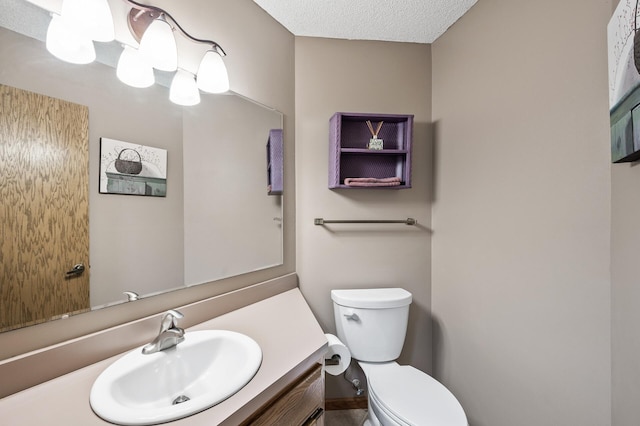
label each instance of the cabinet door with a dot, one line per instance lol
(301, 404)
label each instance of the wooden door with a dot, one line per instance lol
(44, 207)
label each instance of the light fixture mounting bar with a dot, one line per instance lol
(141, 16)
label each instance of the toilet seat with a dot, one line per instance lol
(412, 398)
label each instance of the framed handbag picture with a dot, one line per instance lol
(132, 169)
(623, 34)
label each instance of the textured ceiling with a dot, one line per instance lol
(417, 21)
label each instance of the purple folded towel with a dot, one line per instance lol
(390, 181)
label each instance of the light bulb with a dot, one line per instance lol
(212, 73)
(66, 44)
(92, 18)
(158, 46)
(133, 70)
(183, 90)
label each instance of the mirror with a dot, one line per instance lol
(216, 220)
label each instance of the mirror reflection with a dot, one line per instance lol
(216, 220)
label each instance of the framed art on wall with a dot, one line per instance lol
(132, 169)
(624, 82)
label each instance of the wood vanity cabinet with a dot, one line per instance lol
(300, 404)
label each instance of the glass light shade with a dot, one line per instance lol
(133, 70)
(65, 44)
(92, 18)
(183, 90)
(212, 73)
(158, 46)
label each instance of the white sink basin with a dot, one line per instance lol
(207, 368)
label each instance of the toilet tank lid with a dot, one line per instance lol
(372, 298)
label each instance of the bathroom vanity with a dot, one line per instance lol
(302, 403)
(288, 388)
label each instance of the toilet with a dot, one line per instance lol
(372, 323)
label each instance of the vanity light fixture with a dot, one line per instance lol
(71, 34)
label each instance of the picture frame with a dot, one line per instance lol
(132, 169)
(623, 37)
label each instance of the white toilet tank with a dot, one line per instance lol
(372, 322)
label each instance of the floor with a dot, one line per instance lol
(344, 417)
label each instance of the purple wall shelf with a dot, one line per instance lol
(349, 156)
(275, 166)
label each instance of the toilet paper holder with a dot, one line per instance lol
(334, 360)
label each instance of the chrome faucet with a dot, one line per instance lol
(131, 295)
(170, 334)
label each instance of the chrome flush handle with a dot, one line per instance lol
(352, 317)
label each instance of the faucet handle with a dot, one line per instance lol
(131, 295)
(170, 320)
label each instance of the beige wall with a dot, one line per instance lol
(377, 77)
(625, 294)
(520, 284)
(231, 224)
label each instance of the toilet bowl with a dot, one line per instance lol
(404, 395)
(372, 323)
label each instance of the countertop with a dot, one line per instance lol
(283, 325)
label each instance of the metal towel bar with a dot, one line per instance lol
(408, 221)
